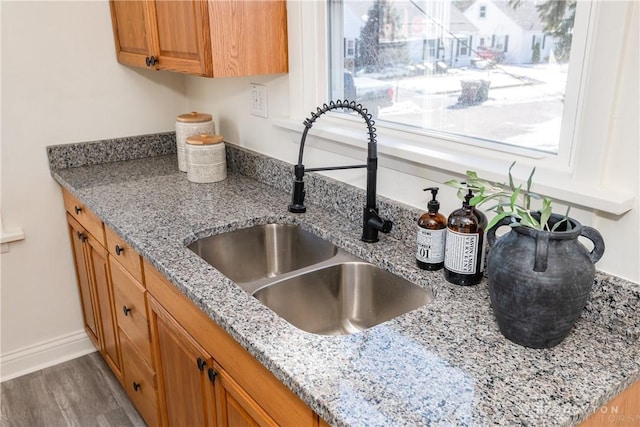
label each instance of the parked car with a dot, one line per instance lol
(496, 56)
(371, 93)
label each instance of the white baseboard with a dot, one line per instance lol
(42, 355)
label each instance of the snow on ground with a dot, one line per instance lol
(537, 88)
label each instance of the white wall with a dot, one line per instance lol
(60, 84)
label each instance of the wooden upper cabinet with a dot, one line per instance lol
(181, 40)
(248, 37)
(216, 38)
(131, 30)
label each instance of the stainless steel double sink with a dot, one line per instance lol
(308, 281)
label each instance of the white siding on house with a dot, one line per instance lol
(498, 24)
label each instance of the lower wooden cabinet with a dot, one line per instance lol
(110, 346)
(235, 408)
(131, 308)
(139, 381)
(78, 237)
(205, 377)
(96, 293)
(185, 387)
(195, 389)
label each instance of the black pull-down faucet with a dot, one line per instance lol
(371, 221)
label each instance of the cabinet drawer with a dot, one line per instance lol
(84, 216)
(125, 255)
(139, 382)
(131, 309)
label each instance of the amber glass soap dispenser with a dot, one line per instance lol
(432, 228)
(464, 251)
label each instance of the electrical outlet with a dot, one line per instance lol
(258, 105)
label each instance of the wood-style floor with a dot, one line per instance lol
(82, 392)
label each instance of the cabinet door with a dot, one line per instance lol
(101, 278)
(182, 370)
(248, 37)
(235, 407)
(132, 31)
(181, 36)
(78, 235)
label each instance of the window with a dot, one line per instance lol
(603, 35)
(431, 48)
(432, 80)
(350, 49)
(464, 45)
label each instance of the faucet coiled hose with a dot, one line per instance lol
(342, 104)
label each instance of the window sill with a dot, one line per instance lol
(439, 161)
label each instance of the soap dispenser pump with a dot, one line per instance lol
(432, 228)
(464, 251)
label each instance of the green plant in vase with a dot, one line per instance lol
(540, 275)
(511, 201)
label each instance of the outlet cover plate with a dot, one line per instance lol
(258, 105)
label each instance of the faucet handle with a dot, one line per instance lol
(373, 224)
(386, 226)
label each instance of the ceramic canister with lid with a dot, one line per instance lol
(191, 124)
(205, 158)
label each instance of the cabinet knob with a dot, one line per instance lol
(212, 374)
(151, 61)
(201, 364)
(136, 386)
(81, 236)
(119, 250)
(126, 310)
(78, 209)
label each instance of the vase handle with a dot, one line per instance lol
(598, 242)
(491, 234)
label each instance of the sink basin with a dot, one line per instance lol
(308, 281)
(343, 298)
(263, 251)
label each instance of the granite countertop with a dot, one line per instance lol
(445, 363)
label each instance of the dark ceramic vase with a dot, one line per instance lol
(540, 281)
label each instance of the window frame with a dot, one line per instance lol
(575, 178)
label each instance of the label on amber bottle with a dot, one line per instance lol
(431, 245)
(461, 253)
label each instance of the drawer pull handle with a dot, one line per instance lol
(126, 310)
(212, 374)
(136, 386)
(81, 236)
(119, 250)
(78, 210)
(201, 364)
